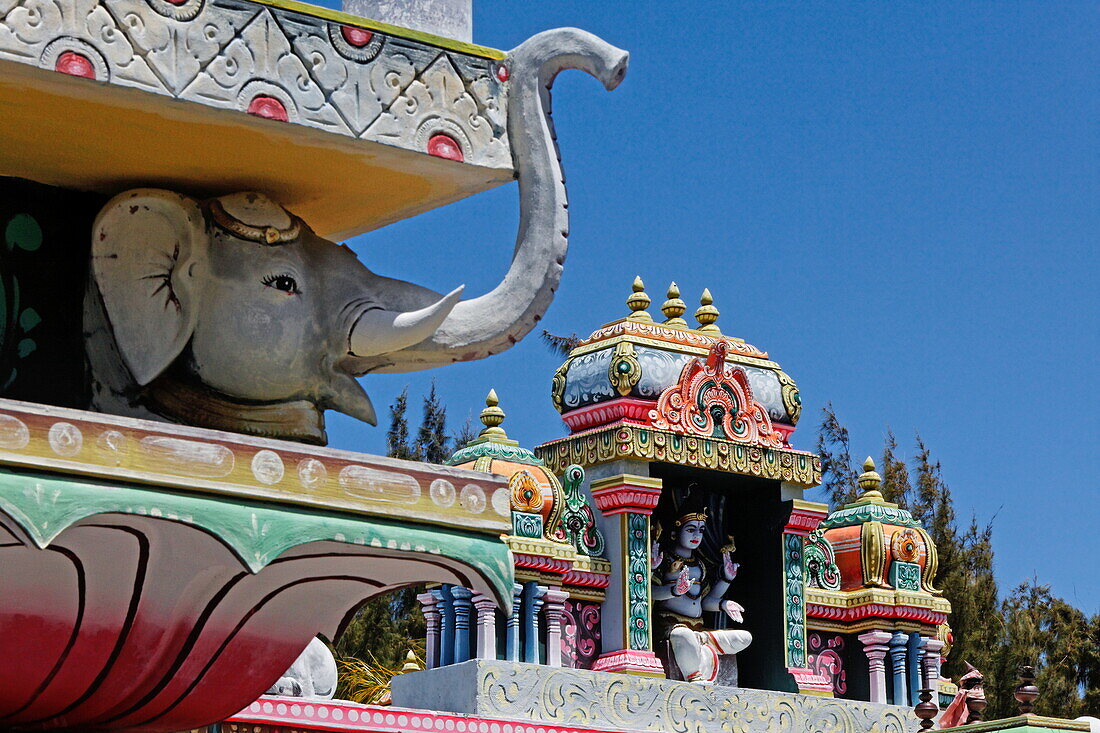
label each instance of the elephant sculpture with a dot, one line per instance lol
(231, 313)
(312, 675)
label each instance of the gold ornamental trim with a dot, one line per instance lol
(628, 441)
(674, 346)
(876, 596)
(872, 551)
(543, 548)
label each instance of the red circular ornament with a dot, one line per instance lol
(445, 146)
(269, 107)
(357, 37)
(502, 72)
(74, 64)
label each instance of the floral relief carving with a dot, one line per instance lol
(636, 703)
(715, 399)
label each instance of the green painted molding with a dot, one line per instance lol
(1024, 724)
(44, 506)
(337, 16)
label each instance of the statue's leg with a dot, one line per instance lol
(688, 652)
(728, 642)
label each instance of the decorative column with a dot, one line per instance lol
(533, 595)
(626, 502)
(447, 623)
(512, 650)
(431, 620)
(898, 643)
(931, 664)
(486, 626)
(913, 653)
(875, 646)
(805, 516)
(462, 607)
(553, 611)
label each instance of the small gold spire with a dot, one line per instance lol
(707, 314)
(638, 302)
(674, 308)
(869, 481)
(411, 665)
(491, 417)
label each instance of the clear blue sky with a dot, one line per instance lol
(900, 202)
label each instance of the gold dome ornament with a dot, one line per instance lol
(491, 417)
(411, 663)
(638, 302)
(674, 308)
(707, 314)
(870, 481)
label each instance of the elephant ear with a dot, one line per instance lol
(149, 249)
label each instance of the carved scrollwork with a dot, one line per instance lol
(715, 399)
(792, 400)
(624, 370)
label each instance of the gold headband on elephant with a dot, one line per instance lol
(271, 235)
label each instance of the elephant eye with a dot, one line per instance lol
(282, 282)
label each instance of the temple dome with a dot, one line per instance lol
(537, 490)
(621, 370)
(878, 544)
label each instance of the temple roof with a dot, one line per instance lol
(622, 369)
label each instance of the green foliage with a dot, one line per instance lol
(1030, 626)
(397, 437)
(432, 440)
(838, 479)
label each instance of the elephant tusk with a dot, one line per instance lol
(380, 331)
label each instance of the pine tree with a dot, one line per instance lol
(397, 437)
(465, 434)
(838, 479)
(432, 440)
(895, 475)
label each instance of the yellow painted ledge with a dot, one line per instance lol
(337, 16)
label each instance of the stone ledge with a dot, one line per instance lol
(604, 700)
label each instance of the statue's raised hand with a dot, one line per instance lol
(729, 567)
(655, 556)
(733, 610)
(684, 581)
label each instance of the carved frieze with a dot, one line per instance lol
(351, 79)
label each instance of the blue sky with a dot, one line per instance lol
(899, 201)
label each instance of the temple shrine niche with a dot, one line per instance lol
(662, 414)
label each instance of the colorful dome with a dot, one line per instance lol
(878, 544)
(621, 371)
(533, 488)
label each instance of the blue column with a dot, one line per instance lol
(532, 603)
(898, 643)
(512, 650)
(462, 606)
(914, 654)
(447, 624)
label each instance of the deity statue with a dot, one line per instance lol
(685, 584)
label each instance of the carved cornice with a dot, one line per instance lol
(627, 441)
(225, 464)
(655, 334)
(625, 493)
(805, 516)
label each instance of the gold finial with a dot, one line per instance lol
(411, 663)
(869, 481)
(707, 314)
(673, 308)
(638, 302)
(491, 417)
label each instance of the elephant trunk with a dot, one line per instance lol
(491, 323)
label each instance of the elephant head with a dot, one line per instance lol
(231, 313)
